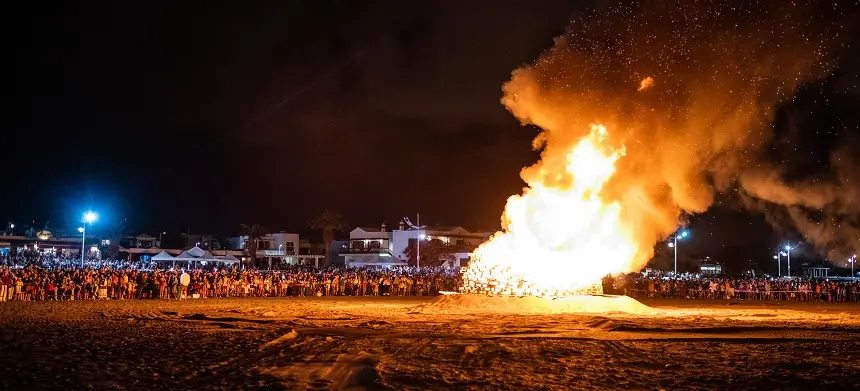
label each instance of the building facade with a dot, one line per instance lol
(381, 247)
(139, 241)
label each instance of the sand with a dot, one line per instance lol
(426, 343)
(470, 304)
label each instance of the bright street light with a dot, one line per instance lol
(787, 254)
(778, 257)
(88, 218)
(851, 261)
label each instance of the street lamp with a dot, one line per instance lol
(788, 249)
(851, 261)
(674, 245)
(421, 237)
(89, 217)
(160, 243)
(778, 257)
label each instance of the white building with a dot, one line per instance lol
(710, 269)
(277, 248)
(380, 247)
(281, 243)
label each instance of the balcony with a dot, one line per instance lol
(364, 250)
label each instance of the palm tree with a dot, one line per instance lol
(328, 221)
(254, 233)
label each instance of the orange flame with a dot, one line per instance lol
(646, 83)
(563, 237)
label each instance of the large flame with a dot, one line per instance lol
(561, 235)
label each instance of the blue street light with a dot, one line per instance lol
(88, 218)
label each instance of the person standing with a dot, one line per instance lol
(184, 281)
(5, 282)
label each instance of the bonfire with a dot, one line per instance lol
(560, 237)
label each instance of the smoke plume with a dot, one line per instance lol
(690, 89)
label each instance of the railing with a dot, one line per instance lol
(364, 250)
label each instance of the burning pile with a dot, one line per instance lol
(560, 237)
(496, 281)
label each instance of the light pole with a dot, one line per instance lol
(160, 243)
(11, 229)
(280, 251)
(778, 266)
(778, 257)
(418, 241)
(674, 245)
(89, 217)
(851, 261)
(788, 249)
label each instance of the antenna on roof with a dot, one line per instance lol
(409, 223)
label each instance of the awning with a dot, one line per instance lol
(228, 259)
(196, 252)
(185, 256)
(162, 256)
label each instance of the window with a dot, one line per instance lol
(290, 248)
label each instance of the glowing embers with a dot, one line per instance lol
(497, 281)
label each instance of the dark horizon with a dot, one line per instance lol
(180, 118)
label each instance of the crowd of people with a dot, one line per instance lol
(26, 277)
(54, 280)
(750, 288)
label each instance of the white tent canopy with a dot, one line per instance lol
(197, 252)
(206, 256)
(162, 256)
(203, 257)
(185, 256)
(228, 259)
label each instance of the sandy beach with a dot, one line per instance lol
(399, 343)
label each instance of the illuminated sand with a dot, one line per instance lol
(603, 304)
(426, 343)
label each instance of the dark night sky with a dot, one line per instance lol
(198, 116)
